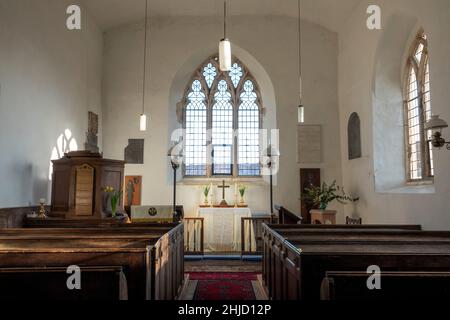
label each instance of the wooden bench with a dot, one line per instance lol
(157, 253)
(294, 265)
(350, 285)
(97, 283)
(91, 223)
(298, 227)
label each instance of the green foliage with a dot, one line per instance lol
(206, 190)
(114, 197)
(321, 197)
(242, 190)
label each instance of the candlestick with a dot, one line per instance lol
(42, 213)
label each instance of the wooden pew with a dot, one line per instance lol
(290, 252)
(294, 268)
(162, 250)
(84, 223)
(136, 262)
(298, 227)
(351, 285)
(97, 283)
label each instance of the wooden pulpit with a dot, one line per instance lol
(79, 179)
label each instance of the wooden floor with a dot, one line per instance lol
(207, 265)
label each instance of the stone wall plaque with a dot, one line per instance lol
(134, 152)
(309, 140)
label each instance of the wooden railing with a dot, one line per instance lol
(252, 235)
(194, 234)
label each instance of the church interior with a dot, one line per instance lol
(254, 150)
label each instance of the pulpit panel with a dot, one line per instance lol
(84, 191)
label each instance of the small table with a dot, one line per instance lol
(323, 217)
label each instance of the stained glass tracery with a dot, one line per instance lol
(225, 102)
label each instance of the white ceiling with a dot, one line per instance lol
(112, 13)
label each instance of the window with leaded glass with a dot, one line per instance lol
(418, 112)
(222, 121)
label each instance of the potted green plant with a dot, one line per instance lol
(319, 198)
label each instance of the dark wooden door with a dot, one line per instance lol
(308, 177)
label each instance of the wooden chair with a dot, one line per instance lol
(353, 221)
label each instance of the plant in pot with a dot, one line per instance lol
(206, 190)
(319, 198)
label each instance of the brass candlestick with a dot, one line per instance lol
(42, 213)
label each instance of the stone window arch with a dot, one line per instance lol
(417, 108)
(222, 122)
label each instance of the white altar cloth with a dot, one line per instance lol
(222, 228)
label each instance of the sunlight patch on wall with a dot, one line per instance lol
(65, 143)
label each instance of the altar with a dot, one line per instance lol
(223, 228)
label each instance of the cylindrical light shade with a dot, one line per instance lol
(225, 55)
(143, 123)
(301, 114)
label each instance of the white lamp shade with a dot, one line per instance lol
(143, 123)
(301, 114)
(225, 55)
(435, 123)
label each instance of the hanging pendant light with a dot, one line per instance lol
(301, 108)
(225, 45)
(143, 117)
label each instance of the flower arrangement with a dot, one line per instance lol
(206, 190)
(321, 197)
(242, 190)
(114, 197)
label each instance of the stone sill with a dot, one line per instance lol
(422, 188)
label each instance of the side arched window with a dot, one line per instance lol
(419, 152)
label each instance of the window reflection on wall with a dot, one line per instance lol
(65, 143)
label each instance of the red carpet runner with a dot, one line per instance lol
(223, 286)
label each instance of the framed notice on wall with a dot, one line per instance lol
(309, 144)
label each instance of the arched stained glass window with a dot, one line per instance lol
(419, 151)
(228, 104)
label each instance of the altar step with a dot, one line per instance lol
(223, 257)
(222, 265)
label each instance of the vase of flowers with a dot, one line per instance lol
(114, 199)
(206, 190)
(242, 190)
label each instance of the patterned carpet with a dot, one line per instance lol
(224, 286)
